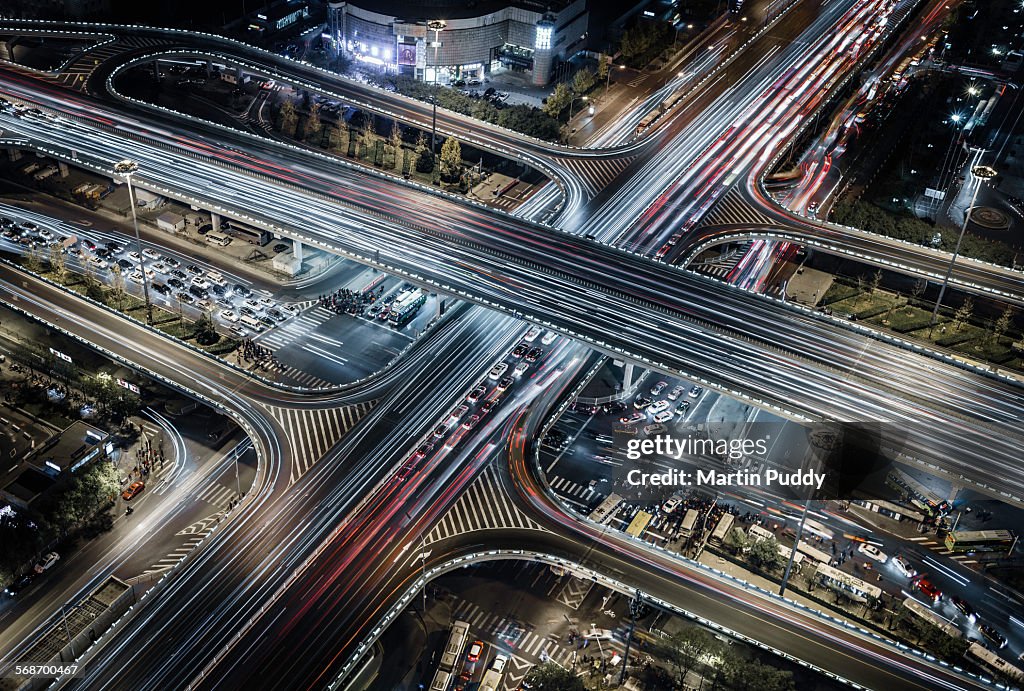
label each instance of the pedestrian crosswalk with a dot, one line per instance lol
(483, 506)
(733, 209)
(528, 647)
(294, 329)
(217, 495)
(175, 556)
(565, 486)
(310, 433)
(940, 547)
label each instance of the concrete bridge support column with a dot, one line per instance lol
(297, 250)
(14, 154)
(215, 220)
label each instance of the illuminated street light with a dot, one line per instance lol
(982, 173)
(127, 168)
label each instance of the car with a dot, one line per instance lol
(176, 283)
(658, 388)
(185, 298)
(100, 264)
(266, 302)
(135, 257)
(671, 504)
(170, 261)
(441, 430)
(475, 651)
(135, 276)
(193, 269)
(549, 338)
(103, 253)
(664, 416)
(159, 268)
(929, 590)
(505, 383)
(88, 244)
(500, 661)
(904, 566)
(266, 321)
(113, 247)
(488, 405)
(459, 412)
(225, 304)
(534, 354)
(240, 289)
(521, 368)
(471, 421)
(276, 314)
(696, 391)
(161, 288)
(180, 275)
(126, 265)
(218, 289)
(238, 332)
(596, 634)
(657, 407)
(19, 584)
(253, 305)
(247, 311)
(992, 636)
(520, 350)
(532, 334)
(201, 282)
(873, 552)
(632, 419)
(474, 82)
(498, 371)
(476, 394)
(151, 253)
(199, 292)
(132, 490)
(46, 233)
(642, 402)
(654, 429)
(675, 393)
(46, 561)
(965, 608)
(204, 305)
(280, 247)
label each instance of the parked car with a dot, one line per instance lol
(46, 562)
(19, 584)
(992, 636)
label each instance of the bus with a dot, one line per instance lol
(441, 680)
(815, 554)
(756, 533)
(723, 528)
(647, 120)
(847, 584)
(689, 522)
(924, 613)
(453, 649)
(405, 307)
(216, 239)
(917, 494)
(994, 662)
(254, 236)
(893, 511)
(639, 523)
(813, 526)
(606, 509)
(980, 541)
(491, 681)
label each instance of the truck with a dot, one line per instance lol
(45, 172)
(31, 168)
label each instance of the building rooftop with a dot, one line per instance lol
(78, 444)
(412, 12)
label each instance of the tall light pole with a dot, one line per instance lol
(982, 173)
(435, 25)
(127, 168)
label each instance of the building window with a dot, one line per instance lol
(543, 41)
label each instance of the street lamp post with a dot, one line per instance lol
(982, 173)
(127, 168)
(436, 25)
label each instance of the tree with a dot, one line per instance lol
(751, 675)
(737, 539)
(583, 81)
(963, 314)
(57, 264)
(395, 139)
(876, 280)
(764, 554)
(421, 143)
(451, 158)
(558, 100)
(604, 65)
(313, 124)
(206, 330)
(33, 262)
(918, 290)
(340, 139)
(1002, 324)
(686, 650)
(118, 287)
(287, 117)
(551, 677)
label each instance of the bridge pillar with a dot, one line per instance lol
(14, 154)
(156, 70)
(215, 220)
(297, 250)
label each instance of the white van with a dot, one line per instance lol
(216, 277)
(215, 239)
(253, 324)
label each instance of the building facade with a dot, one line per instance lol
(444, 42)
